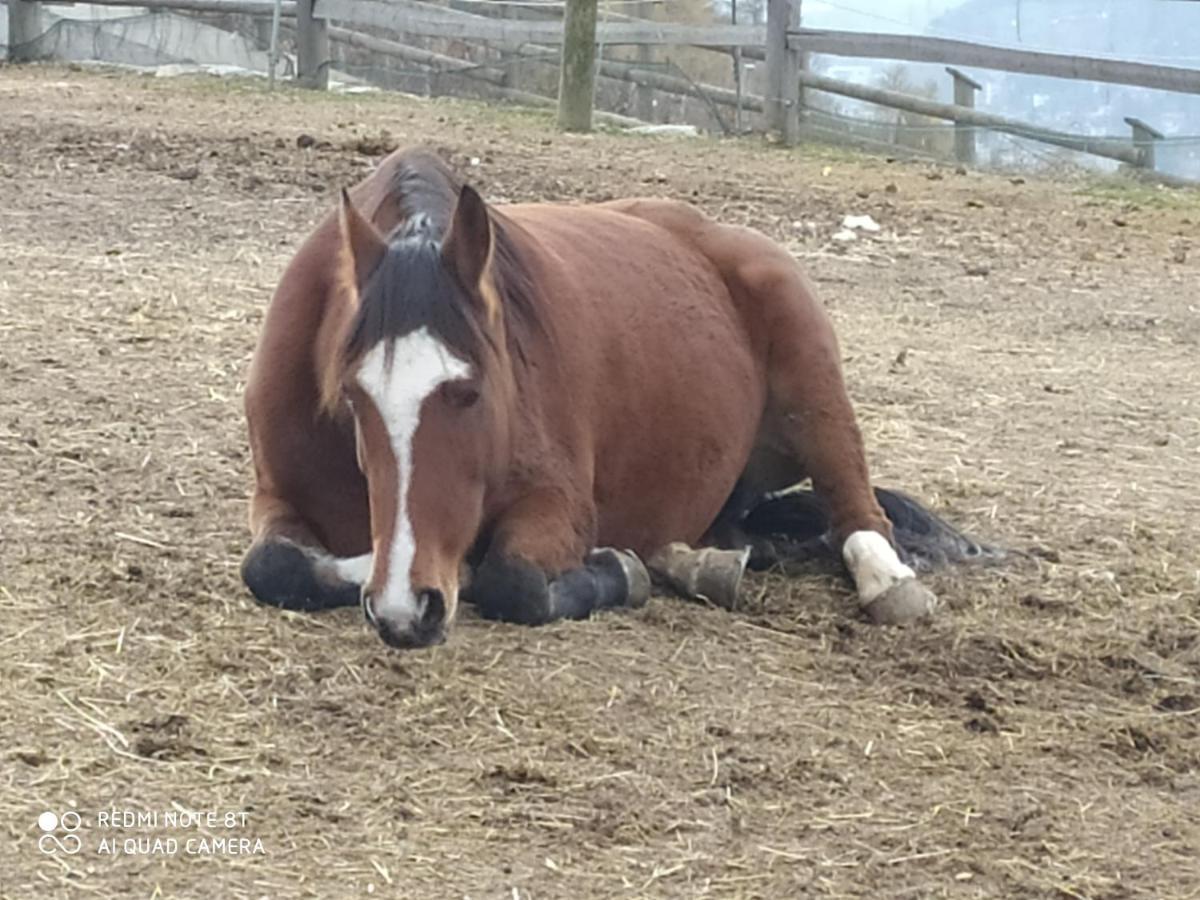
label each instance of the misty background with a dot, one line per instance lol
(1165, 32)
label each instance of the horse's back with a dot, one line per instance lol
(751, 265)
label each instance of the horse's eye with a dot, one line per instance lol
(461, 394)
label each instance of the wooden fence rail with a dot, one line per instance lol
(782, 44)
(439, 61)
(434, 21)
(494, 78)
(962, 115)
(493, 75)
(1105, 147)
(426, 20)
(912, 48)
(242, 7)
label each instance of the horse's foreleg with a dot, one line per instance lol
(287, 566)
(508, 588)
(537, 570)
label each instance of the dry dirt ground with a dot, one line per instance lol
(1023, 354)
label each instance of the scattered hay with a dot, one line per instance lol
(1039, 739)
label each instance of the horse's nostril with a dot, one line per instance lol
(409, 632)
(434, 608)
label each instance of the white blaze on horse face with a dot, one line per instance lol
(873, 564)
(419, 364)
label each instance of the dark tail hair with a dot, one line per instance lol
(924, 539)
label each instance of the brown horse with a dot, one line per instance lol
(524, 402)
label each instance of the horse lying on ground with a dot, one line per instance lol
(522, 403)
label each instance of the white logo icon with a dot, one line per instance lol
(50, 842)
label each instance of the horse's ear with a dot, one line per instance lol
(362, 245)
(467, 248)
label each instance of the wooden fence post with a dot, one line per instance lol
(1144, 139)
(24, 28)
(783, 71)
(508, 58)
(964, 135)
(312, 47)
(644, 93)
(577, 71)
(262, 32)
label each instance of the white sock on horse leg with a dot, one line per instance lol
(351, 569)
(873, 564)
(355, 569)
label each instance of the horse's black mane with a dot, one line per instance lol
(412, 288)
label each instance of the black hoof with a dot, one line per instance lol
(620, 579)
(279, 573)
(511, 590)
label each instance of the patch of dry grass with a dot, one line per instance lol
(1038, 740)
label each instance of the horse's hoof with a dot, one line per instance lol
(626, 566)
(720, 576)
(707, 574)
(280, 573)
(904, 602)
(508, 589)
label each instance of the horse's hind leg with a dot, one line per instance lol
(810, 416)
(706, 573)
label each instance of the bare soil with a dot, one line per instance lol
(1023, 354)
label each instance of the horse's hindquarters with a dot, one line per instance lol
(659, 371)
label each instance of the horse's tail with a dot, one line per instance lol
(925, 539)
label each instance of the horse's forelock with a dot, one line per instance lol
(412, 289)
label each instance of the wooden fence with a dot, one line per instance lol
(782, 44)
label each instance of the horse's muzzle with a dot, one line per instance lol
(427, 629)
